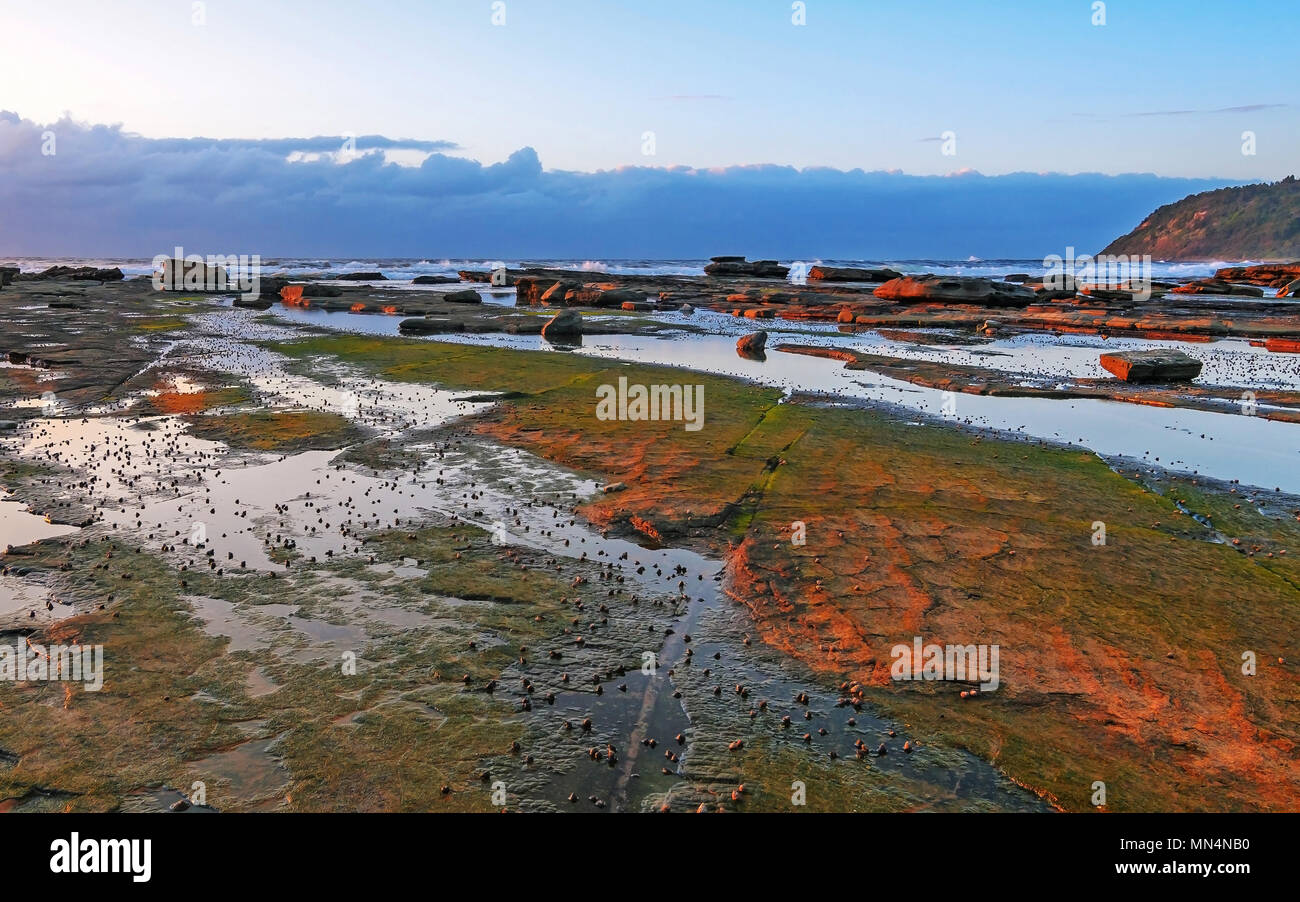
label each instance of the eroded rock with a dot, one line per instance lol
(752, 345)
(1152, 366)
(955, 290)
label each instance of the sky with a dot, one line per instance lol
(599, 114)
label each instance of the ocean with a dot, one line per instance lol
(407, 268)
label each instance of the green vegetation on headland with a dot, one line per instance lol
(1250, 222)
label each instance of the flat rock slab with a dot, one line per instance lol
(851, 274)
(1152, 366)
(955, 290)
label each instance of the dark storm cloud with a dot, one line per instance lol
(108, 192)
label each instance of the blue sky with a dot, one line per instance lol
(1030, 86)
(1165, 88)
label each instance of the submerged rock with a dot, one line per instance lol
(435, 280)
(428, 325)
(1152, 366)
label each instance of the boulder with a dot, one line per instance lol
(434, 280)
(7, 274)
(556, 294)
(194, 275)
(362, 277)
(849, 274)
(752, 345)
(738, 267)
(529, 290)
(617, 297)
(602, 297)
(614, 296)
(258, 302)
(565, 324)
(468, 296)
(474, 275)
(1216, 286)
(1152, 366)
(426, 326)
(687, 309)
(1291, 290)
(955, 290)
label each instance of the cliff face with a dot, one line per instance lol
(1252, 222)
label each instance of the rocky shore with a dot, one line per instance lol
(882, 299)
(499, 559)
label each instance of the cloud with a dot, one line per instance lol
(1246, 108)
(318, 144)
(111, 193)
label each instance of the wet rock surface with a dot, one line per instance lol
(1152, 366)
(410, 593)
